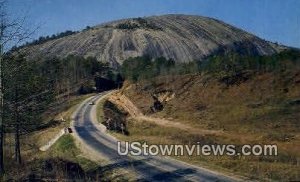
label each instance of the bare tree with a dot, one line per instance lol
(11, 32)
(2, 41)
(17, 126)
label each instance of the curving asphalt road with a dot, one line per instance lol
(93, 136)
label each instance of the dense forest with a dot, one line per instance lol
(32, 86)
(224, 66)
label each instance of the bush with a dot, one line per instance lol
(138, 23)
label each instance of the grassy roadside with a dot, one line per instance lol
(30, 143)
(63, 161)
(100, 108)
(253, 167)
(142, 131)
(281, 167)
(43, 136)
(65, 148)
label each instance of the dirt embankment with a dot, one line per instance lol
(127, 105)
(203, 101)
(122, 101)
(202, 104)
(263, 109)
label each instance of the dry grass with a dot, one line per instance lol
(39, 138)
(257, 111)
(62, 154)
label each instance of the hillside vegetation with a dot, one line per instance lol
(37, 95)
(223, 66)
(33, 87)
(228, 99)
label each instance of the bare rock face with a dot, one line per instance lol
(180, 37)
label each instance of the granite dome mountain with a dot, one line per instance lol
(180, 37)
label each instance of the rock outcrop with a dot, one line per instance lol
(180, 37)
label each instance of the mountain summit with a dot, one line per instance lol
(180, 37)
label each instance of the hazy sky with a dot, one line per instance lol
(275, 20)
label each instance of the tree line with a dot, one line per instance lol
(145, 67)
(43, 39)
(26, 95)
(31, 86)
(221, 66)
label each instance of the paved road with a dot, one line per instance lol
(93, 135)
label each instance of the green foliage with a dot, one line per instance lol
(127, 26)
(31, 86)
(67, 73)
(26, 93)
(66, 144)
(227, 67)
(138, 23)
(234, 63)
(138, 68)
